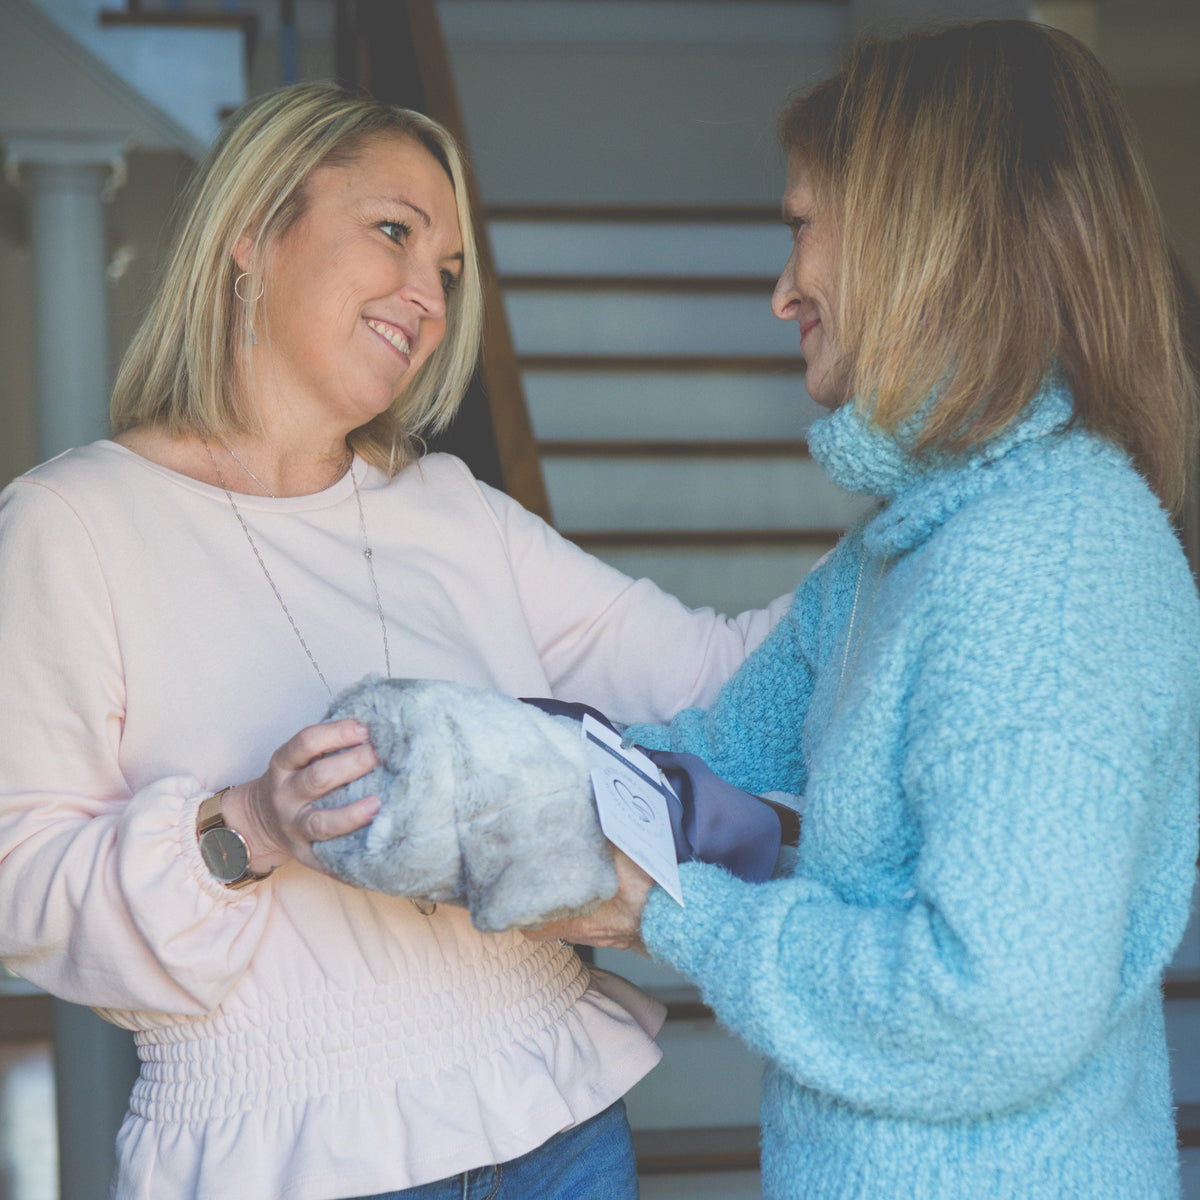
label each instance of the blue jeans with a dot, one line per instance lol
(591, 1161)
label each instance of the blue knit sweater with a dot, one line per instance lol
(958, 989)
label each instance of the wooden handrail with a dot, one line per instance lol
(521, 474)
(394, 50)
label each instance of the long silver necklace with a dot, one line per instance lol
(848, 661)
(367, 553)
(229, 450)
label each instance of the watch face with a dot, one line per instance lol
(224, 854)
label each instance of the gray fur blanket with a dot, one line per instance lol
(487, 802)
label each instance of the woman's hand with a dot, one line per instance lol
(275, 812)
(617, 923)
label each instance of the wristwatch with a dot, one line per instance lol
(224, 850)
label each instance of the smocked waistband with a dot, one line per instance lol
(351, 1040)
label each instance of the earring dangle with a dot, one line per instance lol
(237, 289)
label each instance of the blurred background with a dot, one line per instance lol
(636, 389)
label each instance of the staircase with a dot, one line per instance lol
(668, 404)
(636, 235)
(624, 152)
(188, 65)
(626, 159)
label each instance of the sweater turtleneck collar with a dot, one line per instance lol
(921, 491)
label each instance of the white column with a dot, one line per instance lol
(68, 180)
(95, 1066)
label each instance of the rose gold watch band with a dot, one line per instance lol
(224, 850)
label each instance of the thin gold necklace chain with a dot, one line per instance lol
(368, 555)
(847, 661)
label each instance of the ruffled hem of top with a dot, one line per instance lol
(382, 1138)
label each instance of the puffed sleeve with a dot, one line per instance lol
(622, 645)
(105, 899)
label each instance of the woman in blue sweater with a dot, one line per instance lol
(989, 695)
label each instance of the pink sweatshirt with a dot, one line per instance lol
(299, 1038)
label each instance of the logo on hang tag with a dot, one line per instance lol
(631, 800)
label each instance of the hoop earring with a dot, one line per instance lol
(237, 289)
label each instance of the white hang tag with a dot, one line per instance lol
(631, 799)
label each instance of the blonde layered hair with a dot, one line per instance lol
(187, 367)
(996, 224)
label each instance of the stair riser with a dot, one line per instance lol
(618, 248)
(1183, 1036)
(554, 322)
(1189, 1163)
(632, 120)
(644, 972)
(639, 407)
(665, 26)
(707, 1078)
(730, 581)
(1187, 957)
(697, 494)
(720, 1185)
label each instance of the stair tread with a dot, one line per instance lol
(182, 17)
(791, 364)
(718, 1148)
(1182, 986)
(684, 213)
(25, 1017)
(683, 1002)
(1187, 1125)
(590, 538)
(735, 1147)
(673, 448)
(720, 284)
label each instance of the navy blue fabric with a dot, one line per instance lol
(569, 708)
(711, 820)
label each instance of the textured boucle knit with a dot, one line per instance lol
(958, 989)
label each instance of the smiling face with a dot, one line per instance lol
(355, 291)
(807, 289)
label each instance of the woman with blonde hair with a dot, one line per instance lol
(989, 696)
(178, 606)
